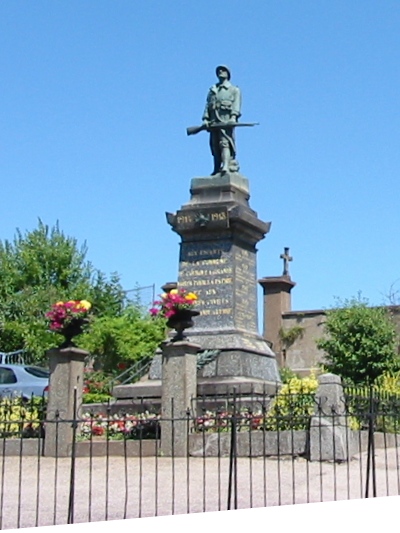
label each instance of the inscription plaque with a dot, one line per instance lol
(223, 275)
(210, 217)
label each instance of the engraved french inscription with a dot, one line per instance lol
(205, 217)
(223, 275)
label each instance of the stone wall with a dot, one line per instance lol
(303, 354)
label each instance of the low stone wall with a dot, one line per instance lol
(22, 447)
(133, 448)
(249, 444)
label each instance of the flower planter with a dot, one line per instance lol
(181, 320)
(71, 330)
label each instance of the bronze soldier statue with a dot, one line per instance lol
(222, 107)
(220, 118)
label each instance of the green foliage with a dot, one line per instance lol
(96, 397)
(361, 342)
(293, 406)
(382, 398)
(97, 382)
(38, 269)
(126, 338)
(287, 374)
(290, 335)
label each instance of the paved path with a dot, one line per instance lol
(35, 491)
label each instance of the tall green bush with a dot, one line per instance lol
(361, 342)
(37, 269)
(126, 338)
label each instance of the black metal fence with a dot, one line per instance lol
(240, 452)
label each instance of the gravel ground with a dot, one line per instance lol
(35, 491)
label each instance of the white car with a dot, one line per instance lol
(23, 380)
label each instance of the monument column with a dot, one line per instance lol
(219, 233)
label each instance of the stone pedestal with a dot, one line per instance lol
(179, 387)
(219, 233)
(331, 438)
(66, 375)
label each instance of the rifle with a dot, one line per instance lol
(197, 129)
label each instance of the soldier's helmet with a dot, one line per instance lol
(225, 68)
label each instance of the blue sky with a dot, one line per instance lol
(96, 96)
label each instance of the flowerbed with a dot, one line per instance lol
(21, 418)
(118, 427)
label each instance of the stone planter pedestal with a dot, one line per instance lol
(179, 386)
(66, 376)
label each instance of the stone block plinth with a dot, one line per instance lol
(179, 386)
(331, 438)
(65, 399)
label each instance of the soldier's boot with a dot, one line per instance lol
(226, 157)
(217, 166)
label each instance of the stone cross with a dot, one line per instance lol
(286, 259)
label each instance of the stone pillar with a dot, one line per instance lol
(277, 300)
(219, 235)
(179, 386)
(66, 374)
(331, 438)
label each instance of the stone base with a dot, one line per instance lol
(227, 187)
(242, 355)
(328, 442)
(254, 444)
(211, 393)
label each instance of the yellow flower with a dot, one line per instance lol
(84, 304)
(174, 291)
(191, 296)
(60, 303)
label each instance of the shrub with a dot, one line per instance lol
(293, 406)
(384, 394)
(361, 342)
(97, 382)
(287, 374)
(96, 397)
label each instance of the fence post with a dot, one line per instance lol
(179, 386)
(66, 375)
(330, 439)
(371, 467)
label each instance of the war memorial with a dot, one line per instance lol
(219, 234)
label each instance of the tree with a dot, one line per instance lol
(126, 338)
(39, 268)
(361, 342)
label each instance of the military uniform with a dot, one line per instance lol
(223, 105)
